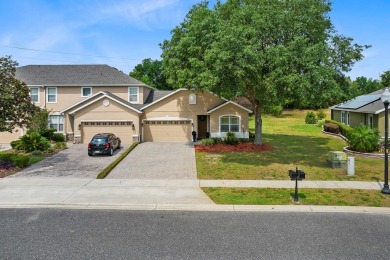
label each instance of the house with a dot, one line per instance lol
(88, 99)
(362, 110)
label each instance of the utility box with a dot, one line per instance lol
(337, 159)
(350, 166)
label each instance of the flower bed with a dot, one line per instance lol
(240, 147)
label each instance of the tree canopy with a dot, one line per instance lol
(272, 52)
(16, 107)
(151, 72)
(385, 78)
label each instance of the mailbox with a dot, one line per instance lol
(297, 174)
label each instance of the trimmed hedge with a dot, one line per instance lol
(18, 160)
(207, 142)
(112, 165)
(332, 128)
(345, 130)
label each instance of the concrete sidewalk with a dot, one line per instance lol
(137, 194)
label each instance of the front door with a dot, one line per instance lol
(202, 126)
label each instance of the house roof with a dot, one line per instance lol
(92, 99)
(370, 103)
(155, 95)
(74, 75)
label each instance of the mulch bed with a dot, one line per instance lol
(8, 172)
(240, 147)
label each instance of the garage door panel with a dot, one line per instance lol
(123, 131)
(169, 131)
(6, 137)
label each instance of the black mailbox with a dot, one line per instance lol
(296, 176)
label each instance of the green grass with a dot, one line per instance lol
(335, 197)
(35, 159)
(295, 144)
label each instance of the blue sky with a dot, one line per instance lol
(121, 33)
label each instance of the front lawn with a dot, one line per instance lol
(268, 196)
(295, 144)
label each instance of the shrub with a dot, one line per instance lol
(6, 165)
(21, 160)
(6, 157)
(310, 118)
(216, 139)
(57, 137)
(31, 142)
(60, 145)
(230, 139)
(274, 110)
(345, 130)
(331, 128)
(36, 152)
(321, 115)
(321, 123)
(207, 142)
(364, 139)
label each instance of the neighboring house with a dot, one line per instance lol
(362, 110)
(88, 99)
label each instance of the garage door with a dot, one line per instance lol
(167, 131)
(123, 130)
(6, 137)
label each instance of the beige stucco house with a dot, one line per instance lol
(88, 99)
(362, 110)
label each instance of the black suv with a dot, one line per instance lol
(103, 144)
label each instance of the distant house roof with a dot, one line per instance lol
(370, 103)
(74, 75)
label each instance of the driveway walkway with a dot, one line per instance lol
(157, 161)
(73, 162)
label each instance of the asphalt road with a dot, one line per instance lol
(110, 234)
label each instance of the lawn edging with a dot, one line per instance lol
(103, 174)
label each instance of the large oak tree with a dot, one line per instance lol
(271, 51)
(16, 107)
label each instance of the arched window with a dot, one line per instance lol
(192, 99)
(229, 123)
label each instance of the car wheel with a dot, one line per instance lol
(89, 154)
(119, 145)
(111, 152)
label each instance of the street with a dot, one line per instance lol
(116, 234)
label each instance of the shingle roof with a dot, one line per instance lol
(74, 75)
(155, 95)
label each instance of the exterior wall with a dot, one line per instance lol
(355, 119)
(336, 115)
(177, 106)
(97, 111)
(229, 109)
(380, 123)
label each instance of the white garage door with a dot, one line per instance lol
(6, 137)
(167, 131)
(123, 130)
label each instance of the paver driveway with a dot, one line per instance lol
(158, 161)
(73, 162)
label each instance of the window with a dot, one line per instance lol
(371, 121)
(343, 117)
(86, 91)
(51, 95)
(133, 94)
(34, 95)
(192, 99)
(56, 122)
(348, 118)
(229, 123)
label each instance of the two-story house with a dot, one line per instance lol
(88, 99)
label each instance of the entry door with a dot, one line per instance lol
(202, 126)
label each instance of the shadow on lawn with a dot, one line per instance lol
(288, 149)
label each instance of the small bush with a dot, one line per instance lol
(36, 152)
(57, 137)
(21, 160)
(321, 115)
(216, 139)
(251, 135)
(321, 123)
(331, 128)
(60, 145)
(230, 139)
(310, 118)
(6, 165)
(49, 150)
(345, 130)
(274, 110)
(6, 157)
(48, 133)
(31, 142)
(207, 142)
(364, 139)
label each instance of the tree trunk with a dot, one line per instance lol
(258, 124)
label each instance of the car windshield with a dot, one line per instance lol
(98, 140)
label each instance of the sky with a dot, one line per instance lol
(121, 33)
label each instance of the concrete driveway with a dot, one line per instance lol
(158, 161)
(73, 162)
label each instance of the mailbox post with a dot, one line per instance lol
(296, 175)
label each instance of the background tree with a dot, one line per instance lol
(16, 107)
(385, 78)
(271, 52)
(151, 72)
(362, 86)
